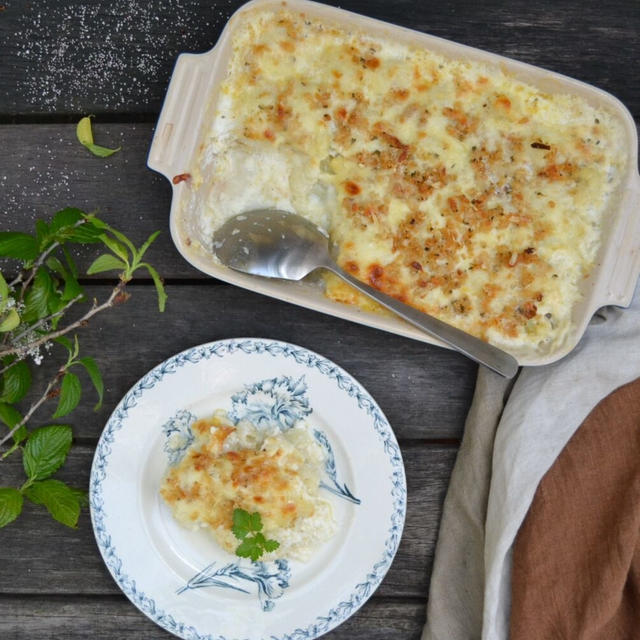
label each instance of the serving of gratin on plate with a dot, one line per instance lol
(238, 446)
(487, 193)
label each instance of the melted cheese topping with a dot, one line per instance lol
(446, 184)
(276, 474)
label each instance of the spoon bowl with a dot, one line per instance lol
(271, 243)
(278, 244)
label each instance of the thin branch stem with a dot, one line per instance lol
(109, 302)
(42, 321)
(16, 280)
(37, 264)
(34, 406)
(12, 364)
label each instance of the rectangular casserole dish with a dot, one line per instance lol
(189, 108)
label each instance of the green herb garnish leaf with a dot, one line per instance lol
(248, 528)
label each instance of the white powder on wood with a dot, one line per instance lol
(114, 55)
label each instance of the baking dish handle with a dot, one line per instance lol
(626, 270)
(184, 107)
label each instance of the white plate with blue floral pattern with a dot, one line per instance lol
(182, 579)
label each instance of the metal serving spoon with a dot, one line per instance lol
(277, 244)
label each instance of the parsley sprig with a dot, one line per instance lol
(248, 528)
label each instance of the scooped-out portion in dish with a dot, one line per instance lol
(259, 470)
(445, 183)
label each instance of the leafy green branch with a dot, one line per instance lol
(33, 307)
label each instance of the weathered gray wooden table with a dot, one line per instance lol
(62, 60)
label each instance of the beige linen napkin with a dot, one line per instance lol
(512, 437)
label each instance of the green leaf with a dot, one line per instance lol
(4, 288)
(150, 240)
(241, 523)
(10, 505)
(14, 244)
(55, 304)
(117, 247)
(62, 502)
(122, 238)
(16, 382)
(271, 545)
(106, 262)
(84, 132)
(9, 321)
(118, 234)
(82, 496)
(11, 417)
(157, 280)
(85, 137)
(248, 527)
(65, 342)
(59, 230)
(67, 217)
(70, 392)
(256, 521)
(37, 298)
(43, 233)
(71, 263)
(86, 233)
(102, 152)
(56, 266)
(96, 377)
(72, 288)
(248, 549)
(46, 450)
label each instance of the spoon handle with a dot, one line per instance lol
(472, 347)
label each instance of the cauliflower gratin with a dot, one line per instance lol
(447, 184)
(273, 472)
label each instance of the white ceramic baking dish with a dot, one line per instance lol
(188, 111)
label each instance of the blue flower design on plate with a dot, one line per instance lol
(279, 402)
(179, 436)
(340, 490)
(270, 578)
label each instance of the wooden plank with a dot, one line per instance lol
(116, 56)
(44, 168)
(70, 563)
(73, 618)
(425, 391)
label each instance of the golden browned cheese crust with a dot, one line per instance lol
(229, 467)
(446, 184)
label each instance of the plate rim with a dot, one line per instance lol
(251, 346)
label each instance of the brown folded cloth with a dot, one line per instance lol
(576, 559)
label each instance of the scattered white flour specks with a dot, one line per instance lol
(113, 54)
